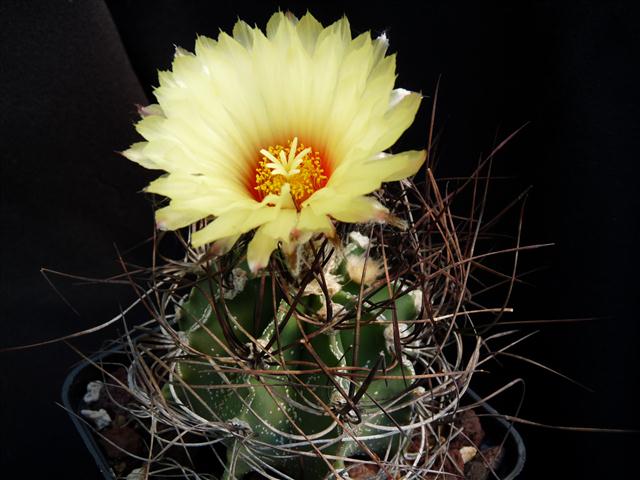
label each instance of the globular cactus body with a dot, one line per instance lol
(288, 392)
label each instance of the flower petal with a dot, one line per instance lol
(224, 245)
(281, 226)
(243, 33)
(224, 226)
(368, 176)
(174, 217)
(399, 166)
(259, 250)
(346, 207)
(403, 108)
(242, 94)
(309, 221)
(135, 153)
(308, 30)
(361, 209)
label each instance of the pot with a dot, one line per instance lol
(74, 388)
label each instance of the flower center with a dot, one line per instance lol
(299, 166)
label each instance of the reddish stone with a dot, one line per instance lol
(472, 433)
(363, 471)
(481, 466)
(126, 438)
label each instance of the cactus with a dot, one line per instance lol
(317, 362)
(282, 382)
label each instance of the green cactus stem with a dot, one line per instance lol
(286, 378)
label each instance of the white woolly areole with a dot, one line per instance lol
(239, 425)
(359, 239)
(183, 337)
(337, 399)
(100, 418)
(239, 280)
(356, 267)
(260, 346)
(336, 308)
(330, 280)
(416, 296)
(407, 363)
(93, 392)
(388, 334)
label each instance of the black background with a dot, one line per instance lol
(71, 71)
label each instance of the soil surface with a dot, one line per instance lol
(124, 436)
(457, 465)
(468, 457)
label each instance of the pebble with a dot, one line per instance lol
(136, 474)
(93, 392)
(468, 453)
(100, 418)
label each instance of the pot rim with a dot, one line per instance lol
(86, 432)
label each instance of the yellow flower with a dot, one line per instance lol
(282, 132)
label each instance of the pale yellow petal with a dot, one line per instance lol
(150, 127)
(242, 218)
(151, 109)
(346, 207)
(260, 216)
(282, 225)
(173, 217)
(368, 176)
(200, 194)
(243, 33)
(260, 248)
(308, 30)
(274, 23)
(224, 245)
(348, 183)
(403, 108)
(359, 209)
(181, 186)
(309, 221)
(399, 166)
(135, 153)
(380, 44)
(226, 225)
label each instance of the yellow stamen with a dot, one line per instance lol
(299, 166)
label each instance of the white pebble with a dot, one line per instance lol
(136, 474)
(100, 418)
(93, 392)
(468, 453)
